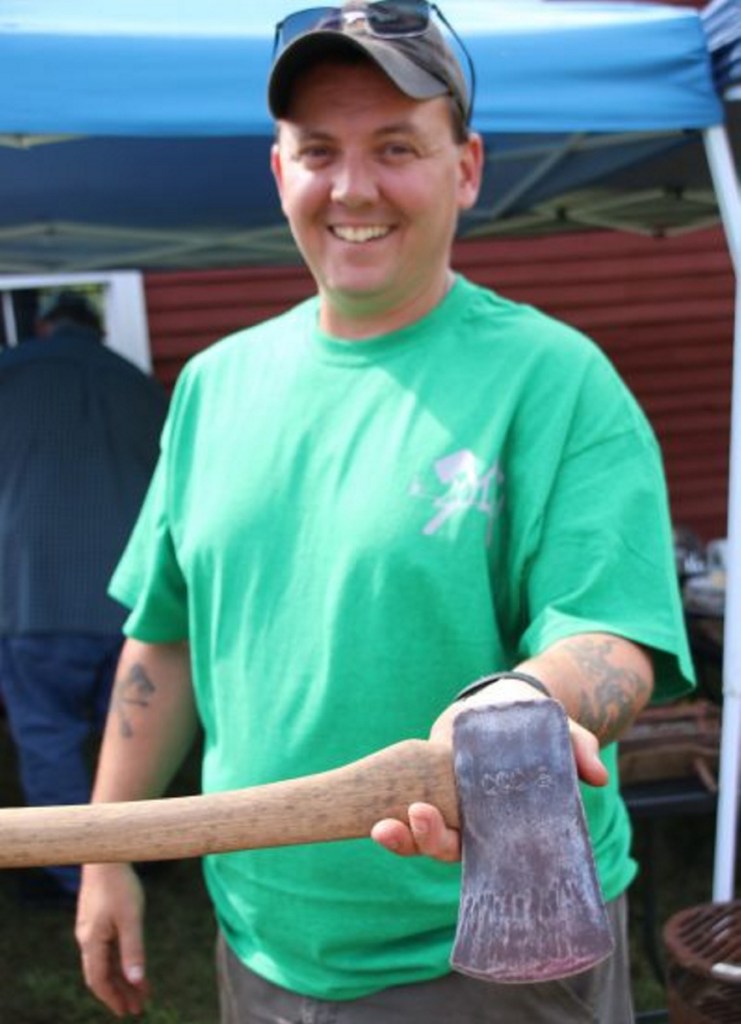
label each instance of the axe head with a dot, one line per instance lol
(531, 908)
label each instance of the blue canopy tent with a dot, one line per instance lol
(136, 134)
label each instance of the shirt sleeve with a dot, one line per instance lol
(604, 560)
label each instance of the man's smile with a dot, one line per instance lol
(368, 233)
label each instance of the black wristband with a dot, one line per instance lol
(479, 684)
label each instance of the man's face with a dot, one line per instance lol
(372, 183)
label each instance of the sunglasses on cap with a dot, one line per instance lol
(384, 19)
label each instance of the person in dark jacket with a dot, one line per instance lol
(80, 437)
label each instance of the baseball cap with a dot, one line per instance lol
(399, 36)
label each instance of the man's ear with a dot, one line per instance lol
(276, 167)
(471, 167)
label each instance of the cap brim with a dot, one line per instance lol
(299, 55)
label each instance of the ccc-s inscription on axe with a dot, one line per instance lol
(530, 909)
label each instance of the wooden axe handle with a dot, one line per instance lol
(340, 804)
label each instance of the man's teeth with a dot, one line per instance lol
(360, 234)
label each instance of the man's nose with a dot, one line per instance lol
(354, 182)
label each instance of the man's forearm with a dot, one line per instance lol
(151, 722)
(602, 680)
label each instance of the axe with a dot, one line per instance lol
(530, 909)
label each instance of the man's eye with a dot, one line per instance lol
(315, 154)
(398, 150)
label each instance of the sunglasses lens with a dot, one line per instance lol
(313, 18)
(398, 17)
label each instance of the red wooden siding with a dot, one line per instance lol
(661, 309)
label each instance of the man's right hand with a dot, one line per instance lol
(109, 932)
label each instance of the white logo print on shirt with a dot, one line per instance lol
(470, 485)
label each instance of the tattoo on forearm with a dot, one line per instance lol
(135, 690)
(609, 705)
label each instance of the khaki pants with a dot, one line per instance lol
(599, 996)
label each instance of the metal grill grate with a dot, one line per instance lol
(703, 945)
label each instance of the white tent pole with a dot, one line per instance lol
(727, 820)
(725, 180)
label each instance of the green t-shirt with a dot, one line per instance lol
(349, 532)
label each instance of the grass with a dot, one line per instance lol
(40, 964)
(39, 955)
(683, 859)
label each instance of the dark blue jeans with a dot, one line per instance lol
(56, 689)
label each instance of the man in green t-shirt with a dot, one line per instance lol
(399, 486)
